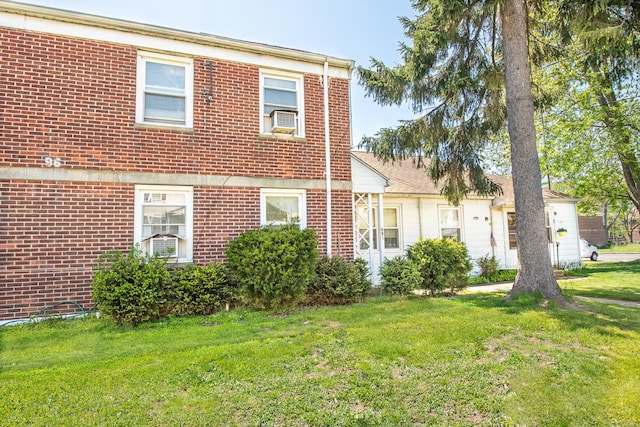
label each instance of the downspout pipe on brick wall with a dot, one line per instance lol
(327, 152)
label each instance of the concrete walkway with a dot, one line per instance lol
(493, 287)
(506, 287)
(612, 301)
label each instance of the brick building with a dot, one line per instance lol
(116, 133)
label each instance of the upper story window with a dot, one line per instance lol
(164, 220)
(278, 207)
(282, 103)
(164, 90)
(450, 224)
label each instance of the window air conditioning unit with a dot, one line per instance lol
(283, 121)
(164, 246)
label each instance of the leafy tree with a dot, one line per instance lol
(466, 58)
(603, 39)
(589, 113)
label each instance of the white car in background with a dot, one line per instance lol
(587, 250)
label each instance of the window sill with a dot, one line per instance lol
(161, 126)
(283, 136)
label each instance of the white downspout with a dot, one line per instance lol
(381, 228)
(420, 217)
(327, 152)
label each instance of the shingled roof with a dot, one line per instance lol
(406, 178)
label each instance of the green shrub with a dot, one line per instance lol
(130, 288)
(400, 276)
(338, 281)
(504, 276)
(272, 266)
(499, 276)
(443, 263)
(197, 289)
(488, 265)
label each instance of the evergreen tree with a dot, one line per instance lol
(466, 57)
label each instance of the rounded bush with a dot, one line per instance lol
(443, 263)
(338, 281)
(400, 276)
(272, 266)
(196, 289)
(130, 288)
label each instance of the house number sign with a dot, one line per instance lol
(52, 162)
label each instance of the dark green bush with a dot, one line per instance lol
(443, 263)
(338, 282)
(130, 288)
(197, 289)
(489, 265)
(272, 266)
(499, 276)
(400, 276)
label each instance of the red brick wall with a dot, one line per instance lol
(75, 99)
(52, 234)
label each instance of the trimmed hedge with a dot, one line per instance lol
(400, 276)
(197, 289)
(443, 263)
(338, 282)
(130, 288)
(272, 266)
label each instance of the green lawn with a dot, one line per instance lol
(606, 280)
(470, 360)
(629, 247)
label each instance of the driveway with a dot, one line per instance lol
(618, 256)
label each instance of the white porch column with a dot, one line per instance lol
(380, 229)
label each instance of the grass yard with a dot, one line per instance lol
(470, 360)
(612, 280)
(629, 247)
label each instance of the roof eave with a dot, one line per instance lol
(168, 33)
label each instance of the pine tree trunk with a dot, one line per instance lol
(535, 272)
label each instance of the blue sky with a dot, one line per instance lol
(350, 29)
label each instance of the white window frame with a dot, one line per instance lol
(187, 63)
(300, 116)
(549, 222)
(374, 228)
(302, 204)
(512, 244)
(460, 219)
(187, 240)
(398, 227)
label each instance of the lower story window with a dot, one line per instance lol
(450, 226)
(511, 227)
(390, 229)
(278, 207)
(164, 221)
